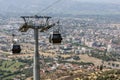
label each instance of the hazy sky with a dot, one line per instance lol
(68, 6)
(101, 1)
(108, 1)
(95, 1)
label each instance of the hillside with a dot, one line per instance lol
(82, 75)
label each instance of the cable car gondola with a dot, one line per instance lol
(56, 37)
(16, 49)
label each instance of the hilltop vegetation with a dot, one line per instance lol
(84, 75)
(12, 69)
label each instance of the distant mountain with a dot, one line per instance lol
(74, 7)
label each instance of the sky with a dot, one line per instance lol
(108, 1)
(34, 6)
(100, 1)
(93, 1)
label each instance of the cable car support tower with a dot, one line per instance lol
(33, 23)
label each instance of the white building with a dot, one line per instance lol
(109, 48)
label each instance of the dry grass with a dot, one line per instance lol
(86, 58)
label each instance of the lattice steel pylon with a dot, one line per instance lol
(33, 22)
